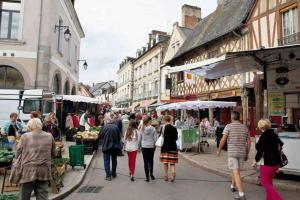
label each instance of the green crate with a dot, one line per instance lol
(76, 154)
(189, 136)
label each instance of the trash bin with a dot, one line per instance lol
(76, 154)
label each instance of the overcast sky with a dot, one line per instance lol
(115, 29)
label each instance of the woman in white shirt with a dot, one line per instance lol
(131, 141)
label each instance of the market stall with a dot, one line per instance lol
(187, 136)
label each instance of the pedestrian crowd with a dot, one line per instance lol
(135, 133)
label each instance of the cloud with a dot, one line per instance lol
(117, 28)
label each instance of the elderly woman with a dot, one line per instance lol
(12, 127)
(268, 148)
(34, 152)
(51, 128)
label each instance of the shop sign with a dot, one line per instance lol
(283, 79)
(189, 78)
(276, 104)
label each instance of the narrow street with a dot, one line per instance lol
(192, 183)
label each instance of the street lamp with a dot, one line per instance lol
(85, 65)
(67, 33)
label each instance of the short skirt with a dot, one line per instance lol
(169, 157)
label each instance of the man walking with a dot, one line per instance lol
(238, 140)
(110, 138)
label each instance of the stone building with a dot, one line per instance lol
(147, 70)
(125, 84)
(40, 45)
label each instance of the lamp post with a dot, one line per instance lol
(67, 33)
(85, 65)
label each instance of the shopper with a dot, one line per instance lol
(268, 147)
(238, 139)
(131, 142)
(12, 128)
(34, 154)
(169, 152)
(110, 140)
(149, 135)
(51, 128)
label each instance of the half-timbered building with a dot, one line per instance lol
(224, 30)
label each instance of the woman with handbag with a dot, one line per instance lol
(268, 149)
(169, 151)
(148, 135)
(131, 143)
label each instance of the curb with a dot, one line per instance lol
(71, 190)
(248, 179)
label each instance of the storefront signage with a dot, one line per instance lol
(189, 78)
(276, 104)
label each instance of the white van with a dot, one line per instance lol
(23, 102)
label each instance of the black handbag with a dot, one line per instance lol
(283, 158)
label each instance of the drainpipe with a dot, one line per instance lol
(38, 44)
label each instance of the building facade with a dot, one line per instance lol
(104, 91)
(124, 94)
(190, 16)
(147, 70)
(275, 24)
(36, 50)
(222, 31)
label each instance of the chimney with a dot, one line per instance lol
(191, 15)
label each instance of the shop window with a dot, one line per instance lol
(67, 88)
(11, 78)
(9, 19)
(290, 33)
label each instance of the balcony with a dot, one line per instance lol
(291, 39)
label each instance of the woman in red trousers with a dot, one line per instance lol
(268, 152)
(131, 143)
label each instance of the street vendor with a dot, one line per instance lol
(12, 127)
(51, 128)
(190, 121)
(84, 120)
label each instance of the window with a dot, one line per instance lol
(30, 105)
(69, 52)
(60, 37)
(56, 84)
(10, 78)
(9, 19)
(180, 76)
(156, 88)
(75, 58)
(290, 26)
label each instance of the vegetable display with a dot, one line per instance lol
(88, 134)
(9, 196)
(6, 156)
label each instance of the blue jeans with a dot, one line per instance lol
(112, 154)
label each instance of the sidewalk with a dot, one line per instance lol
(73, 178)
(218, 165)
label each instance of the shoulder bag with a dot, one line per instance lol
(160, 141)
(283, 158)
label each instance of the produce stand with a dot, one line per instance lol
(197, 105)
(58, 168)
(89, 139)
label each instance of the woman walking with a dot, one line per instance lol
(149, 135)
(268, 148)
(131, 142)
(169, 152)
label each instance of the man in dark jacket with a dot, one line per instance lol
(110, 138)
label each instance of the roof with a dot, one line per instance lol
(185, 31)
(225, 19)
(96, 90)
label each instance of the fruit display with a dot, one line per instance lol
(95, 129)
(87, 134)
(6, 156)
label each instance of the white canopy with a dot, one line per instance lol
(196, 105)
(78, 98)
